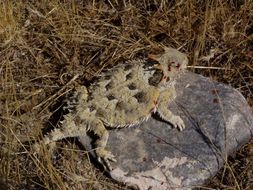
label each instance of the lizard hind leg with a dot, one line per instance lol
(104, 156)
(67, 129)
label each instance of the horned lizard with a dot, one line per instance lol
(123, 96)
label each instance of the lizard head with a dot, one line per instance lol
(172, 62)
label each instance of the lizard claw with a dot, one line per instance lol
(178, 123)
(105, 157)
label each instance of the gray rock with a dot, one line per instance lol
(155, 156)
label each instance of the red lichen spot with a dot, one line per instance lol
(158, 140)
(164, 77)
(215, 100)
(169, 69)
(162, 183)
(178, 65)
(144, 159)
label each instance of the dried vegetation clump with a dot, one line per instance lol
(43, 44)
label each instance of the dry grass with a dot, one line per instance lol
(43, 44)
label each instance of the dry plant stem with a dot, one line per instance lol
(57, 94)
(204, 67)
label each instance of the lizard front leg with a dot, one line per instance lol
(163, 111)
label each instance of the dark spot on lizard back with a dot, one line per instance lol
(128, 67)
(132, 86)
(92, 108)
(107, 77)
(78, 120)
(129, 76)
(156, 78)
(140, 96)
(109, 86)
(110, 97)
(119, 105)
(149, 64)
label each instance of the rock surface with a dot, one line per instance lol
(155, 156)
